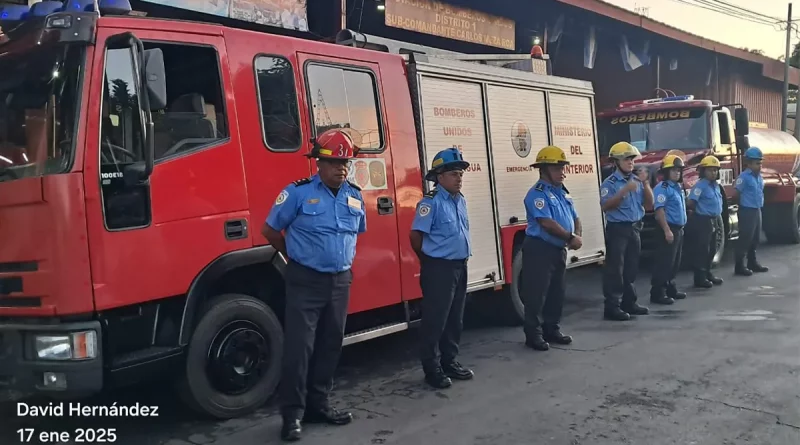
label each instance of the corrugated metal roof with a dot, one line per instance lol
(770, 68)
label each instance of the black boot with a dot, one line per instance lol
(537, 342)
(616, 314)
(658, 297)
(291, 429)
(714, 279)
(634, 309)
(740, 270)
(331, 416)
(454, 370)
(672, 292)
(757, 268)
(437, 379)
(555, 335)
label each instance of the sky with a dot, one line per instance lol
(724, 29)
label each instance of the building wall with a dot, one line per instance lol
(763, 103)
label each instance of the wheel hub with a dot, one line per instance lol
(237, 358)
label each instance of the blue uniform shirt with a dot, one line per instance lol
(442, 218)
(669, 196)
(751, 189)
(708, 198)
(547, 201)
(321, 229)
(632, 207)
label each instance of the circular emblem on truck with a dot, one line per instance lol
(521, 139)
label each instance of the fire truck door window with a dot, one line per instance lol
(278, 103)
(194, 117)
(121, 144)
(346, 98)
(121, 128)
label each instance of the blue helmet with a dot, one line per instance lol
(754, 154)
(446, 160)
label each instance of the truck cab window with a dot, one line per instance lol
(121, 125)
(278, 102)
(346, 98)
(195, 116)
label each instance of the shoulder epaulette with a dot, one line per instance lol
(539, 187)
(354, 185)
(303, 181)
(431, 193)
(612, 179)
(665, 184)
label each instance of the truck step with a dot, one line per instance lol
(378, 331)
(144, 355)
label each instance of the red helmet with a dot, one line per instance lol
(334, 144)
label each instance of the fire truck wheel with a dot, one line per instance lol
(781, 222)
(234, 357)
(720, 243)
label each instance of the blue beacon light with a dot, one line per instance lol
(13, 13)
(45, 8)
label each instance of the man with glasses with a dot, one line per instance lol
(322, 217)
(440, 237)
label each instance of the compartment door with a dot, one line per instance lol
(572, 126)
(452, 116)
(518, 125)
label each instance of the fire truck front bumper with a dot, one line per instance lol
(61, 358)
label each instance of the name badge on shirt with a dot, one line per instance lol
(353, 202)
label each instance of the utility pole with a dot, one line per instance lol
(785, 109)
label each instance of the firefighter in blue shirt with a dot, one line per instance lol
(750, 186)
(623, 196)
(670, 210)
(553, 227)
(440, 237)
(322, 217)
(705, 206)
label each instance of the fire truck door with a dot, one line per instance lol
(150, 240)
(347, 94)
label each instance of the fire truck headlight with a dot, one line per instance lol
(74, 346)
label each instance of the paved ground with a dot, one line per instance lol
(719, 368)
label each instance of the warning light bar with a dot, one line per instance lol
(657, 100)
(18, 13)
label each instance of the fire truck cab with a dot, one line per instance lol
(140, 156)
(697, 128)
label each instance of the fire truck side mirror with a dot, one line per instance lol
(155, 84)
(742, 122)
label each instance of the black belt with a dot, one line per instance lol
(637, 224)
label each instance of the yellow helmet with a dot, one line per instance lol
(709, 161)
(671, 161)
(623, 150)
(550, 155)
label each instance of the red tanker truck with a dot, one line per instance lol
(698, 128)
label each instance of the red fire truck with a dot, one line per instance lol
(698, 128)
(139, 157)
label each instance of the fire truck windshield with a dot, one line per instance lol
(677, 129)
(39, 100)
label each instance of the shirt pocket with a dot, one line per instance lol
(447, 224)
(312, 216)
(350, 217)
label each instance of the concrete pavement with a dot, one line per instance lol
(722, 367)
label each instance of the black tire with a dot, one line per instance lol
(722, 237)
(504, 308)
(782, 222)
(233, 320)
